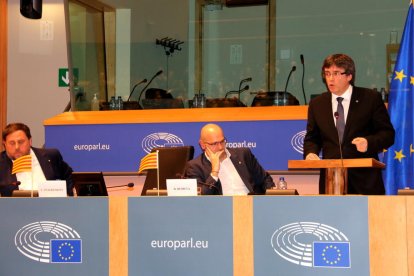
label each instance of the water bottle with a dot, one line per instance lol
(95, 103)
(196, 101)
(120, 103)
(383, 95)
(202, 102)
(282, 185)
(112, 103)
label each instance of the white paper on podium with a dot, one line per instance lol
(182, 187)
(52, 188)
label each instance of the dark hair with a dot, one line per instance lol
(341, 61)
(13, 127)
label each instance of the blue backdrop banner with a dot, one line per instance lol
(120, 147)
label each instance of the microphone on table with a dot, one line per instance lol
(237, 92)
(210, 186)
(287, 82)
(133, 88)
(16, 183)
(303, 76)
(240, 84)
(153, 77)
(129, 185)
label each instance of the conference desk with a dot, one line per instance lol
(246, 235)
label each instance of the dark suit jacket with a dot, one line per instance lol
(368, 118)
(251, 172)
(52, 165)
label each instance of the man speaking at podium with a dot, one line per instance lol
(348, 122)
(44, 164)
(222, 171)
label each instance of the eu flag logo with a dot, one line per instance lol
(66, 251)
(331, 254)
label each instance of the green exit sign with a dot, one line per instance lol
(64, 78)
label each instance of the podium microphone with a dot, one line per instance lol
(303, 76)
(129, 185)
(287, 83)
(336, 114)
(133, 88)
(153, 77)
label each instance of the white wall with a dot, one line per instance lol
(33, 64)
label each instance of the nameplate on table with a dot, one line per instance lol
(52, 188)
(182, 187)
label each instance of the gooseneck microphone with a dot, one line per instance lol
(287, 83)
(129, 185)
(240, 84)
(133, 88)
(336, 114)
(210, 186)
(238, 92)
(153, 77)
(303, 77)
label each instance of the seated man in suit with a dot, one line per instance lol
(46, 164)
(222, 171)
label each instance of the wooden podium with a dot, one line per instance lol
(336, 182)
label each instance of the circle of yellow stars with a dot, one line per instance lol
(72, 251)
(334, 261)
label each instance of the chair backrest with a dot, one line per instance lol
(172, 162)
(224, 102)
(162, 103)
(274, 98)
(157, 93)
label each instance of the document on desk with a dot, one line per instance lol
(182, 187)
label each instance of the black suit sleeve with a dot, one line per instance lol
(61, 170)
(200, 169)
(383, 133)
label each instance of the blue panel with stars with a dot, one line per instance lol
(331, 254)
(66, 251)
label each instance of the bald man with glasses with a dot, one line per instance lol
(223, 171)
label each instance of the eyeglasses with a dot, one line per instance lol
(334, 74)
(215, 144)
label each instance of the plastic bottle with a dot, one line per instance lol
(282, 184)
(120, 103)
(95, 103)
(195, 101)
(202, 102)
(383, 95)
(112, 103)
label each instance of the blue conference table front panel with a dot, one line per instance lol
(54, 236)
(180, 236)
(120, 147)
(311, 236)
